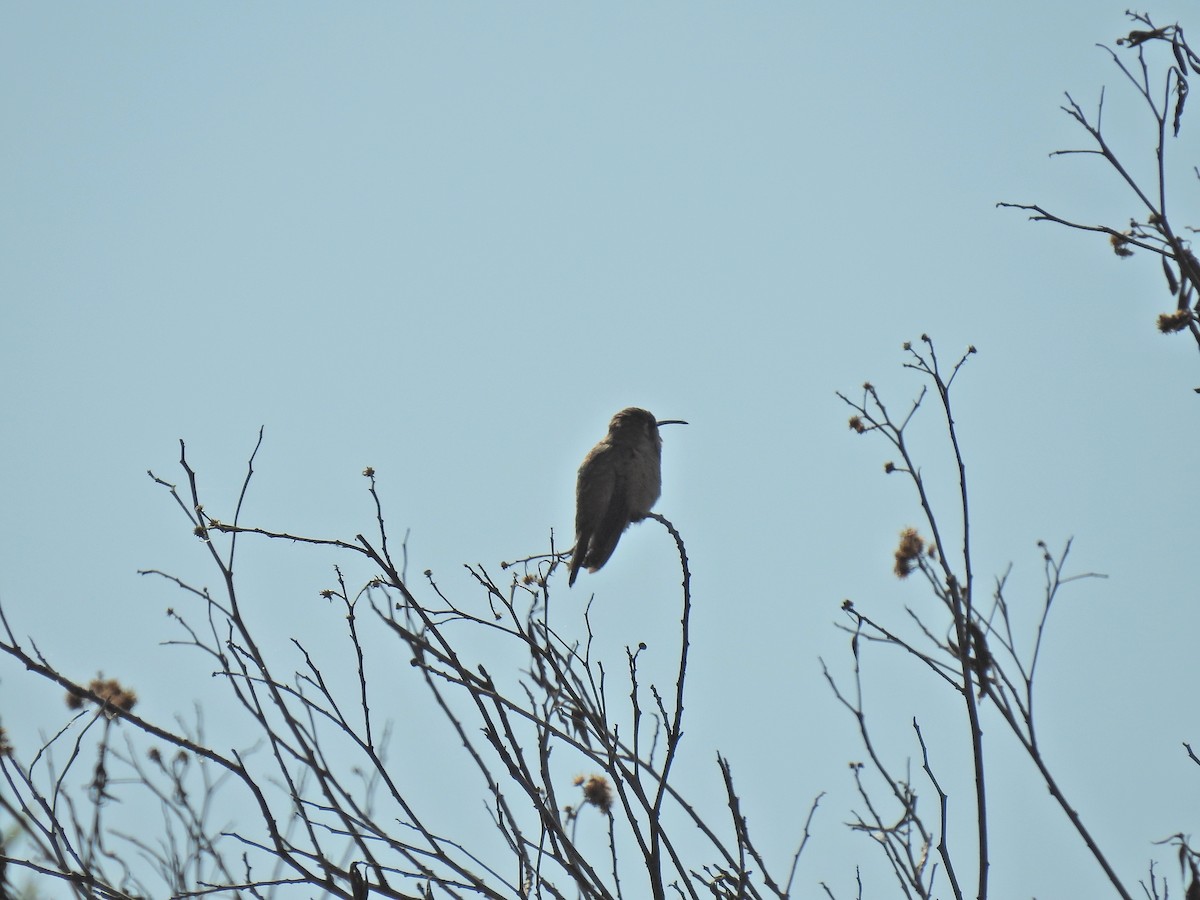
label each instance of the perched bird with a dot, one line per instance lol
(618, 483)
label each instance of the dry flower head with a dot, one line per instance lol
(107, 689)
(1175, 321)
(908, 552)
(596, 791)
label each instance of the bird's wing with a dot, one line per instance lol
(593, 495)
(594, 490)
(608, 532)
(613, 520)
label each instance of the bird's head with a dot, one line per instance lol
(634, 423)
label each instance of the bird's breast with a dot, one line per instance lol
(643, 481)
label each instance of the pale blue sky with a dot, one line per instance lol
(449, 241)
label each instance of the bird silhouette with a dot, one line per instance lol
(619, 481)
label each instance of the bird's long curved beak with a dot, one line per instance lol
(671, 422)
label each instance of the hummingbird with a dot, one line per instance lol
(619, 481)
